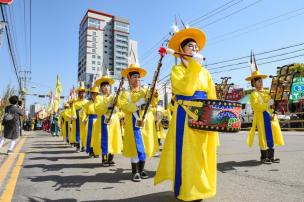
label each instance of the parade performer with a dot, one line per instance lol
(138, 143)
(89, 117)
(64, 118)
(111, 137)
(264, 120)
(189, 155)
(159, 113)
(79, 128)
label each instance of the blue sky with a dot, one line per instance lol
(55, 27)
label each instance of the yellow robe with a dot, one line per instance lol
(77, 106)
(259, 103)
(127, 102)
(89, 109)
(114, 128)
(66, 115)
(198, 175)
(170, 111)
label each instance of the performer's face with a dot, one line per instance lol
(105, 89)
(135, 80)
(259, 84)
(93, 96)
(190, 48)
(80, 94)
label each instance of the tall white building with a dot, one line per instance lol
(104, 46)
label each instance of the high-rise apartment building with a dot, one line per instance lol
(104, 46)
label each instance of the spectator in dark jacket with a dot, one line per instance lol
(12, 125)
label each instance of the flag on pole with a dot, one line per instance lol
(57, 95)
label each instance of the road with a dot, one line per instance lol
(46, 169)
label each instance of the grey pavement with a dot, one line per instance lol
(52, 171)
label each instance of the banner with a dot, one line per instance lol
(6, 1)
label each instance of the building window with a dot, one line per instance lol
(98, 57)
(94, 33)
(106, 52)
(98, 63)
(93, 50)
(106, 40)
(93, 68)
(93, 62)
(93, 56)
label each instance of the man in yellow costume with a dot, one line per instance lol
(111, 137)
(79, 127)
(90, 118)
(138, 143)
(269, 130)
(189, 155)
(65, 117)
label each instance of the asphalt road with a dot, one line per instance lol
(52, 171)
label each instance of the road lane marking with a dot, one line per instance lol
(9, 190)
(5, 167)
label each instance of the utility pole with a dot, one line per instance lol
(2, 26)
(24, 76)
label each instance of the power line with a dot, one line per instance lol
(257, 23)
(209, 14)
(4, 17)
(257, 28)
(259, 64)
(25, 35)
(287, 53)
(261, 53)
(155, 46)
(233, 13)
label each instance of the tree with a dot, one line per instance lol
(7, 93)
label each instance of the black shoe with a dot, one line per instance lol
(110, 160)
(105, 164)
(82, 149)
(266, 161)
(275, 160)
(136, 177)
(111, 163)
(144, 175)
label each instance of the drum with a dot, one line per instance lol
(216, 115)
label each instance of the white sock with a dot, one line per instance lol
(2, 140)
(12, 145)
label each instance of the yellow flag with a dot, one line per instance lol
(57, 95)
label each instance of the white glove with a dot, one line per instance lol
(271, 102)
(140, 102)
(198, 57)
(170, 51)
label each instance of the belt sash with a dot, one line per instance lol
(77, 126)
(104, 136)
(90, 127)
(140, 148)
(268, 130)
(180, 126)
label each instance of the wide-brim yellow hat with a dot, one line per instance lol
(188, 33)
(66, 105)
(94, 89)
(81, 88)
(256, 74)
(104, 79)
(134, 68)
